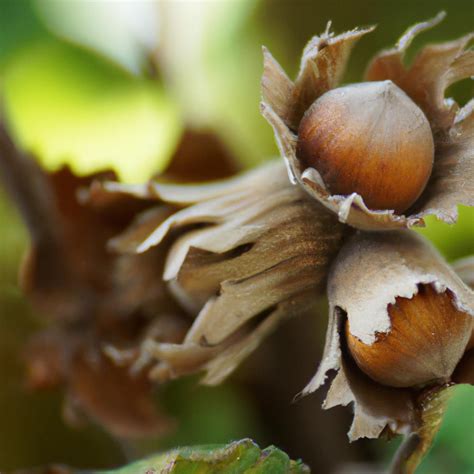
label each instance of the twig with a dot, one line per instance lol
(408, 448)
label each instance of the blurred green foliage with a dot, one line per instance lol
(70, 104)
(453, 241)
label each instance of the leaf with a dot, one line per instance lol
(238, 457)
(235, 458)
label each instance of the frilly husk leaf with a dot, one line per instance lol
(323, 63)
(376, 407)
(434, 69)
(277, 88)
(452, 181)
(242, 260)
(465, 269)
(377, 268)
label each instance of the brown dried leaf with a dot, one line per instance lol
(322, 66)
(111, 397)
(376, 407)
(95, 387)
(200, 156)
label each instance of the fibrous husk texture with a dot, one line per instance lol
(243, 255)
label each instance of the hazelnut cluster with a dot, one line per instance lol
(365, 162)
(380, 155)
(244, 254)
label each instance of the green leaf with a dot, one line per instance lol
(238, 457)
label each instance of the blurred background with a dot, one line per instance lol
(103, 85)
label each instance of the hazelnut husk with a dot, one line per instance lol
(371, 139)
(427, 338)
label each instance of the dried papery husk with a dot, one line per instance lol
(433, 70)
(438, 66)
(247, 253)
(464, 267)
(370, 272)
(377, 408)
(452, 181)
(322, 66)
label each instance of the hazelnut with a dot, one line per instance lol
(369, 138)
(428, 337)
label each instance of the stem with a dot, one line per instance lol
(431, 406)
(401, 462)
(27, 186)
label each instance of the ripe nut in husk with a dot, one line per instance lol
(427, 338)
(368, 138)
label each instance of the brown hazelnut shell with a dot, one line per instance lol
(371, 139)
(427, 338)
